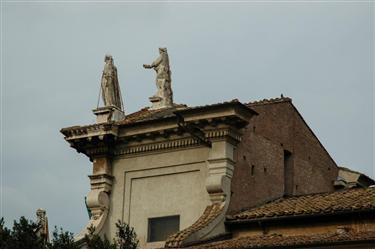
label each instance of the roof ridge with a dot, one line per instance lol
(269, 101)
(147, 111)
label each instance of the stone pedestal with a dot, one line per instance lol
(158, 103)
(108, 114)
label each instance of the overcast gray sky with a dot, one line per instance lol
(319, 54)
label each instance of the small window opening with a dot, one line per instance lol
(288, 173)
(252, 170)
(265, 170)
(296, 187)
(160, 228)
(244, 157)
(254, 128)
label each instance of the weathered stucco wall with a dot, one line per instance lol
(259, 173)
(156, 185)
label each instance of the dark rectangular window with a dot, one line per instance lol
(161, 227)
(288, 173)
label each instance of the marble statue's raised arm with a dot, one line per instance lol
(164, 94)
(154, 64)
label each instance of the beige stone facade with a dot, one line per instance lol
(205, 165)
(228, 175)
(175, 165)
(155, 185)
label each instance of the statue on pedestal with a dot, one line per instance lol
(111, 93)
(164, 94)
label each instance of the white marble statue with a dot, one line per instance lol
(164, 94)
(42, 222)
(111, 93)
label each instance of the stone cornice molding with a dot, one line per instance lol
(90, 131)
(113, 146)
(227, 133)
(98, 150)
(220, 121)
(165, 145)
(169, 144)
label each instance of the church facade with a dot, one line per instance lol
(225, 175)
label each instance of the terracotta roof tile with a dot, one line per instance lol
(215, 104)
(323, 203)
(146, 114)
(209, 214)
(279, 241)
(269, 101)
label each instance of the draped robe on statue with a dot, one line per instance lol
(110, 86)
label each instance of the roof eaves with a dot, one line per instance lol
(296, 217)
(295, 241)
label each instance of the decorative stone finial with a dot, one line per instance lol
(164, 95)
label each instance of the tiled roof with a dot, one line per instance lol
(269, 101)
(313, 204)
(146, 114)
(279, 241)
(209, 214)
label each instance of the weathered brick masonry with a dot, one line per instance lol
(279, 155)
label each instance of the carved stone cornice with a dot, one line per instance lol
(224, 133)
(90, 131)
(98, 150)
(165, 145)
(92, 140)
(182, 128)
(103, 140)
(169, 144)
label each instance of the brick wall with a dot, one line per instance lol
(259, 174)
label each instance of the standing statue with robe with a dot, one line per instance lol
(163, 79)
(42, 222)
(111, 93)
